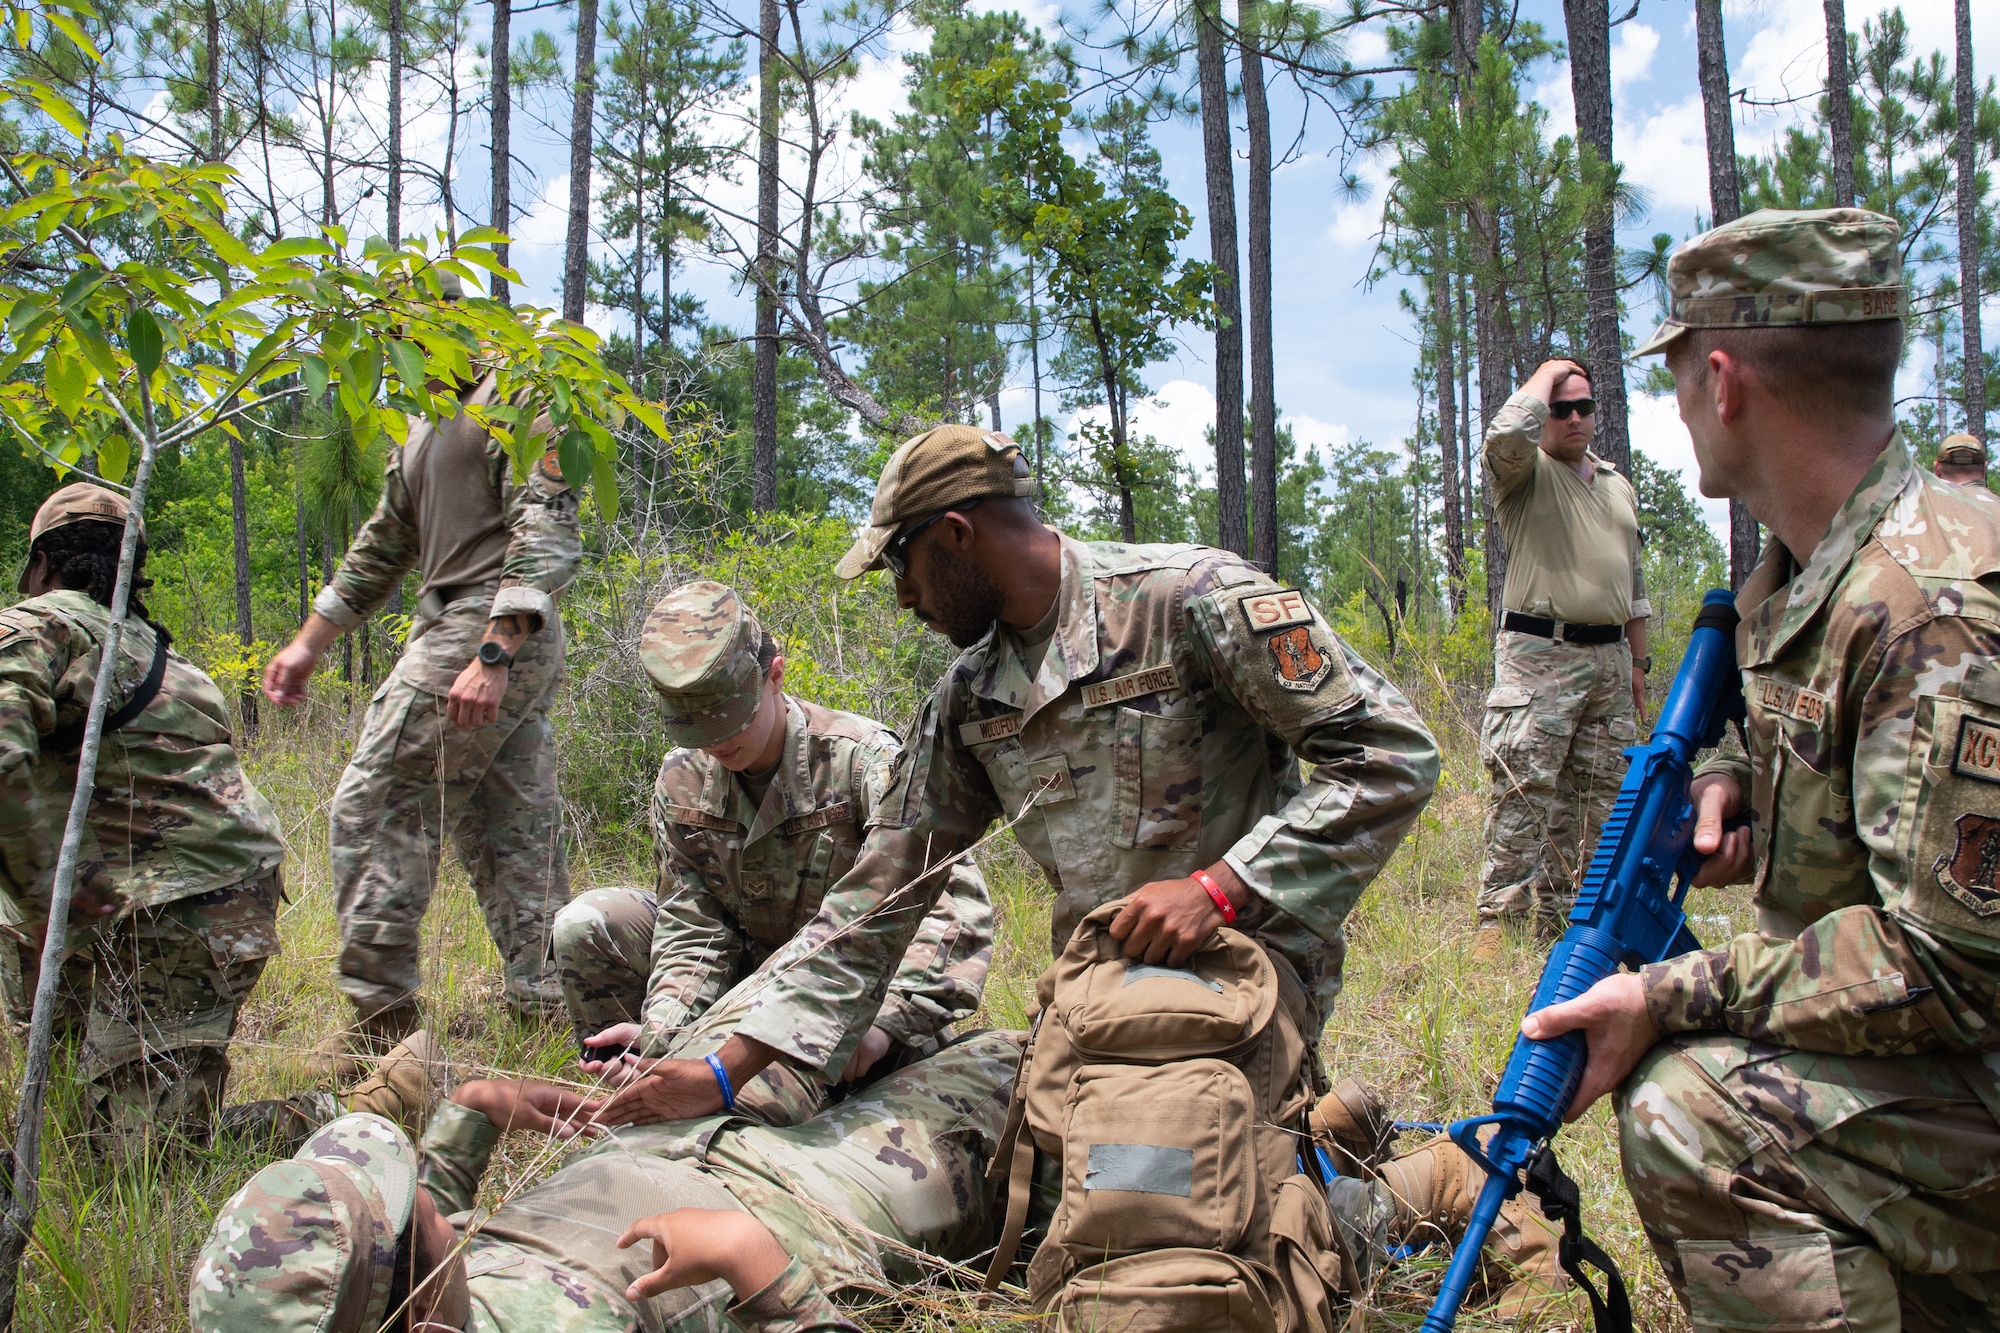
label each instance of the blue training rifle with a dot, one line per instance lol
(1629, 911)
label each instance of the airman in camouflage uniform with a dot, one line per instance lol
(857, 1196)
(177, 884)
(452, 743)
(1145, 718)
(1814, 1144)
(746, 853)
(1565, 700)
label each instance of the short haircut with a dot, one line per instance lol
(401, 1270)
(1824, 374)
(83, 556)
(1583, 369)
(767, 653)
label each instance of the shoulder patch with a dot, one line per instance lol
(1968, 871)
(551, 469)
(1298, 663)
(1274, 609)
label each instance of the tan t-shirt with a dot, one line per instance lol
(1572, 545)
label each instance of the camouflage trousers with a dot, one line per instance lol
(603, 946)
(1794, 1192)
(1556, 721)
(414, 778)
(156, 993)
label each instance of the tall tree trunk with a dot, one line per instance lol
(393, 204)
(639, 232)
(1496, 359)
(1968, 228)
(1263, 386)
(1035, 364)
(1839, 104)
(1712, 62)
(1589, 24)
(582, 137)
(503, 155)
(764, 389)
(1725, 204)
(1232, 522)
(1446, 324)
(1464, 400)
(212, 25)
(239, 502)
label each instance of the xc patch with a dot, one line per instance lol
(1268, 612)
(1978, 751)
(1968, 870)
(1297, 662)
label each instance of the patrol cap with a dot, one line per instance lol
(309, 1245)
(74, 503)
(1779, 268)
(1959, 447)
(699, 647)
(945, 466)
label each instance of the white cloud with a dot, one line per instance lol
(1666, 155)
(1355, 224)
(1178, 415)
(1312, 433)
(1658, 433)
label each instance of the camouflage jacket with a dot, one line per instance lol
(520, 537)
(1873, 691)
(172, 815)
(1163, 733)
(735, 883)
(854, 1194)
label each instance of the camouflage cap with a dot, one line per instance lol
(700, 649)
(945, 466)
(1783, 267)
(74, 503)
(309, 1245)
(1959, 447)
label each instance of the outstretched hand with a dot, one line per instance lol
(525, 1103)
(1616, 1025)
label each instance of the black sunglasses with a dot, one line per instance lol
(1582, 407)
(896, 554)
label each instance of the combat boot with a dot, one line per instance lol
(338, 1057)
(406, 1085)
(1488, 945)
(1350, 1124)
(1435, 1187)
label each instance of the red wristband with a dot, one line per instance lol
(1222, 903)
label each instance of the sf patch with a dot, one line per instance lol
(1274, 609)
(1297, 663)
(1967, 872)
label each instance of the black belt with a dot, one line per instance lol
(1543, 627)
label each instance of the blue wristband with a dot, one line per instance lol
(722, 1081)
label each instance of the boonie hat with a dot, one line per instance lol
(74, 503)
(309, 1245)
(1959, 447)
(945, 466)
(1783, 267)
(699, 647)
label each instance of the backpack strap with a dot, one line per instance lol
(71, 736)
(1017, 1159)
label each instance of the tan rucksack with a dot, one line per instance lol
(1171, 1104)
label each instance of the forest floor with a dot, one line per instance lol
(113, 1248)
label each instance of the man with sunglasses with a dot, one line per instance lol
(1570, 661)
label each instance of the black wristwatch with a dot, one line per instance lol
(492, 654)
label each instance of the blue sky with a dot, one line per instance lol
(1344, 352)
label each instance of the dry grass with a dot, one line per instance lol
(112, 1249)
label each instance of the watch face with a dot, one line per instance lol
(491, 653)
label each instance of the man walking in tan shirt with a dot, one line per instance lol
(1566, 697)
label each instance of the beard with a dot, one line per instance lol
(965, 601)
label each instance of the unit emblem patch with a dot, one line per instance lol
(1297, 662)
(1967, 872)
(1273, 610)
